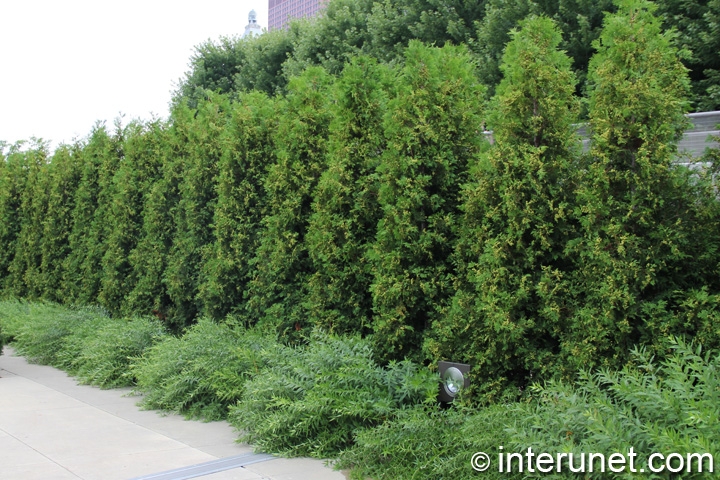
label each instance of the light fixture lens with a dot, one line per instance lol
(453, 381)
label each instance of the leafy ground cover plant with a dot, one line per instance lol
(311, 400)
(85, 342)
(423, 442)
(40, 330)
(655, 407)
(666, 407)
(201, 373)
(103, 357)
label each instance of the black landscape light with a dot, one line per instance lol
(453, 378)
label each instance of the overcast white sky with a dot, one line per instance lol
(64, 64)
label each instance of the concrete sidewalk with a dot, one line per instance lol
(53, 428)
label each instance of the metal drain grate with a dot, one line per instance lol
(207, 468)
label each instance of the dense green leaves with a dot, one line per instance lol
(312, 400)
(282, 263)
(345, 208)
(505, 317)
(371, 203)
(639, 220)
(432, 129)
(241, 204)
(82, 272)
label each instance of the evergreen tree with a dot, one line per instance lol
(433, 129)
(134, 178)
(149, 259)
(82, 272)
(13, 177)
(241, 204)
(25, 278)
(65, 173)
(200, 133)
(506, 316)
(345, 208)
(642, 237)
(282, 266)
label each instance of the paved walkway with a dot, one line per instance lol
(53, 428)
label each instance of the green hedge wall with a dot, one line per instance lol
(371, 203)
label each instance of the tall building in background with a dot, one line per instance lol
(252, 29)
(281, 11)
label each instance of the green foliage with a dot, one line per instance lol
(697, 23)
(432, 129)
(282, 264)
(665, 407)
(102, 356)
(148, 259)
(427, 443)
(200, 136)
(310, 400)
(64, 173)
(265, 57)
(82, 271)
(345, 209)
(142, 153)
(24, 274)
(199, 374)
(331, 40)
(212, 68)
(232, 65)
(645, 228)
(493, 33)
(13, 177)
(43, 332)
(248, 153)
(505, 317)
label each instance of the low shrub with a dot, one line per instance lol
(428, 443)
(311, 400)
(201, 373)
(670, 407)
(103, 357)
(40, 330)
(667, 407)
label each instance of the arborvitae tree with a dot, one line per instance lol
(13, 177)
(81, 268)
(133, 180)
(203, 130)
(65, 172)
(241, 203)
(149, 259)
(25, 278)
(433, 129)
(641, 238)
(282, 265)
(345, 207)
(505, 319)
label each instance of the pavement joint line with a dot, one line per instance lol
(207, 468)
(41, 454)
(99, 407)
